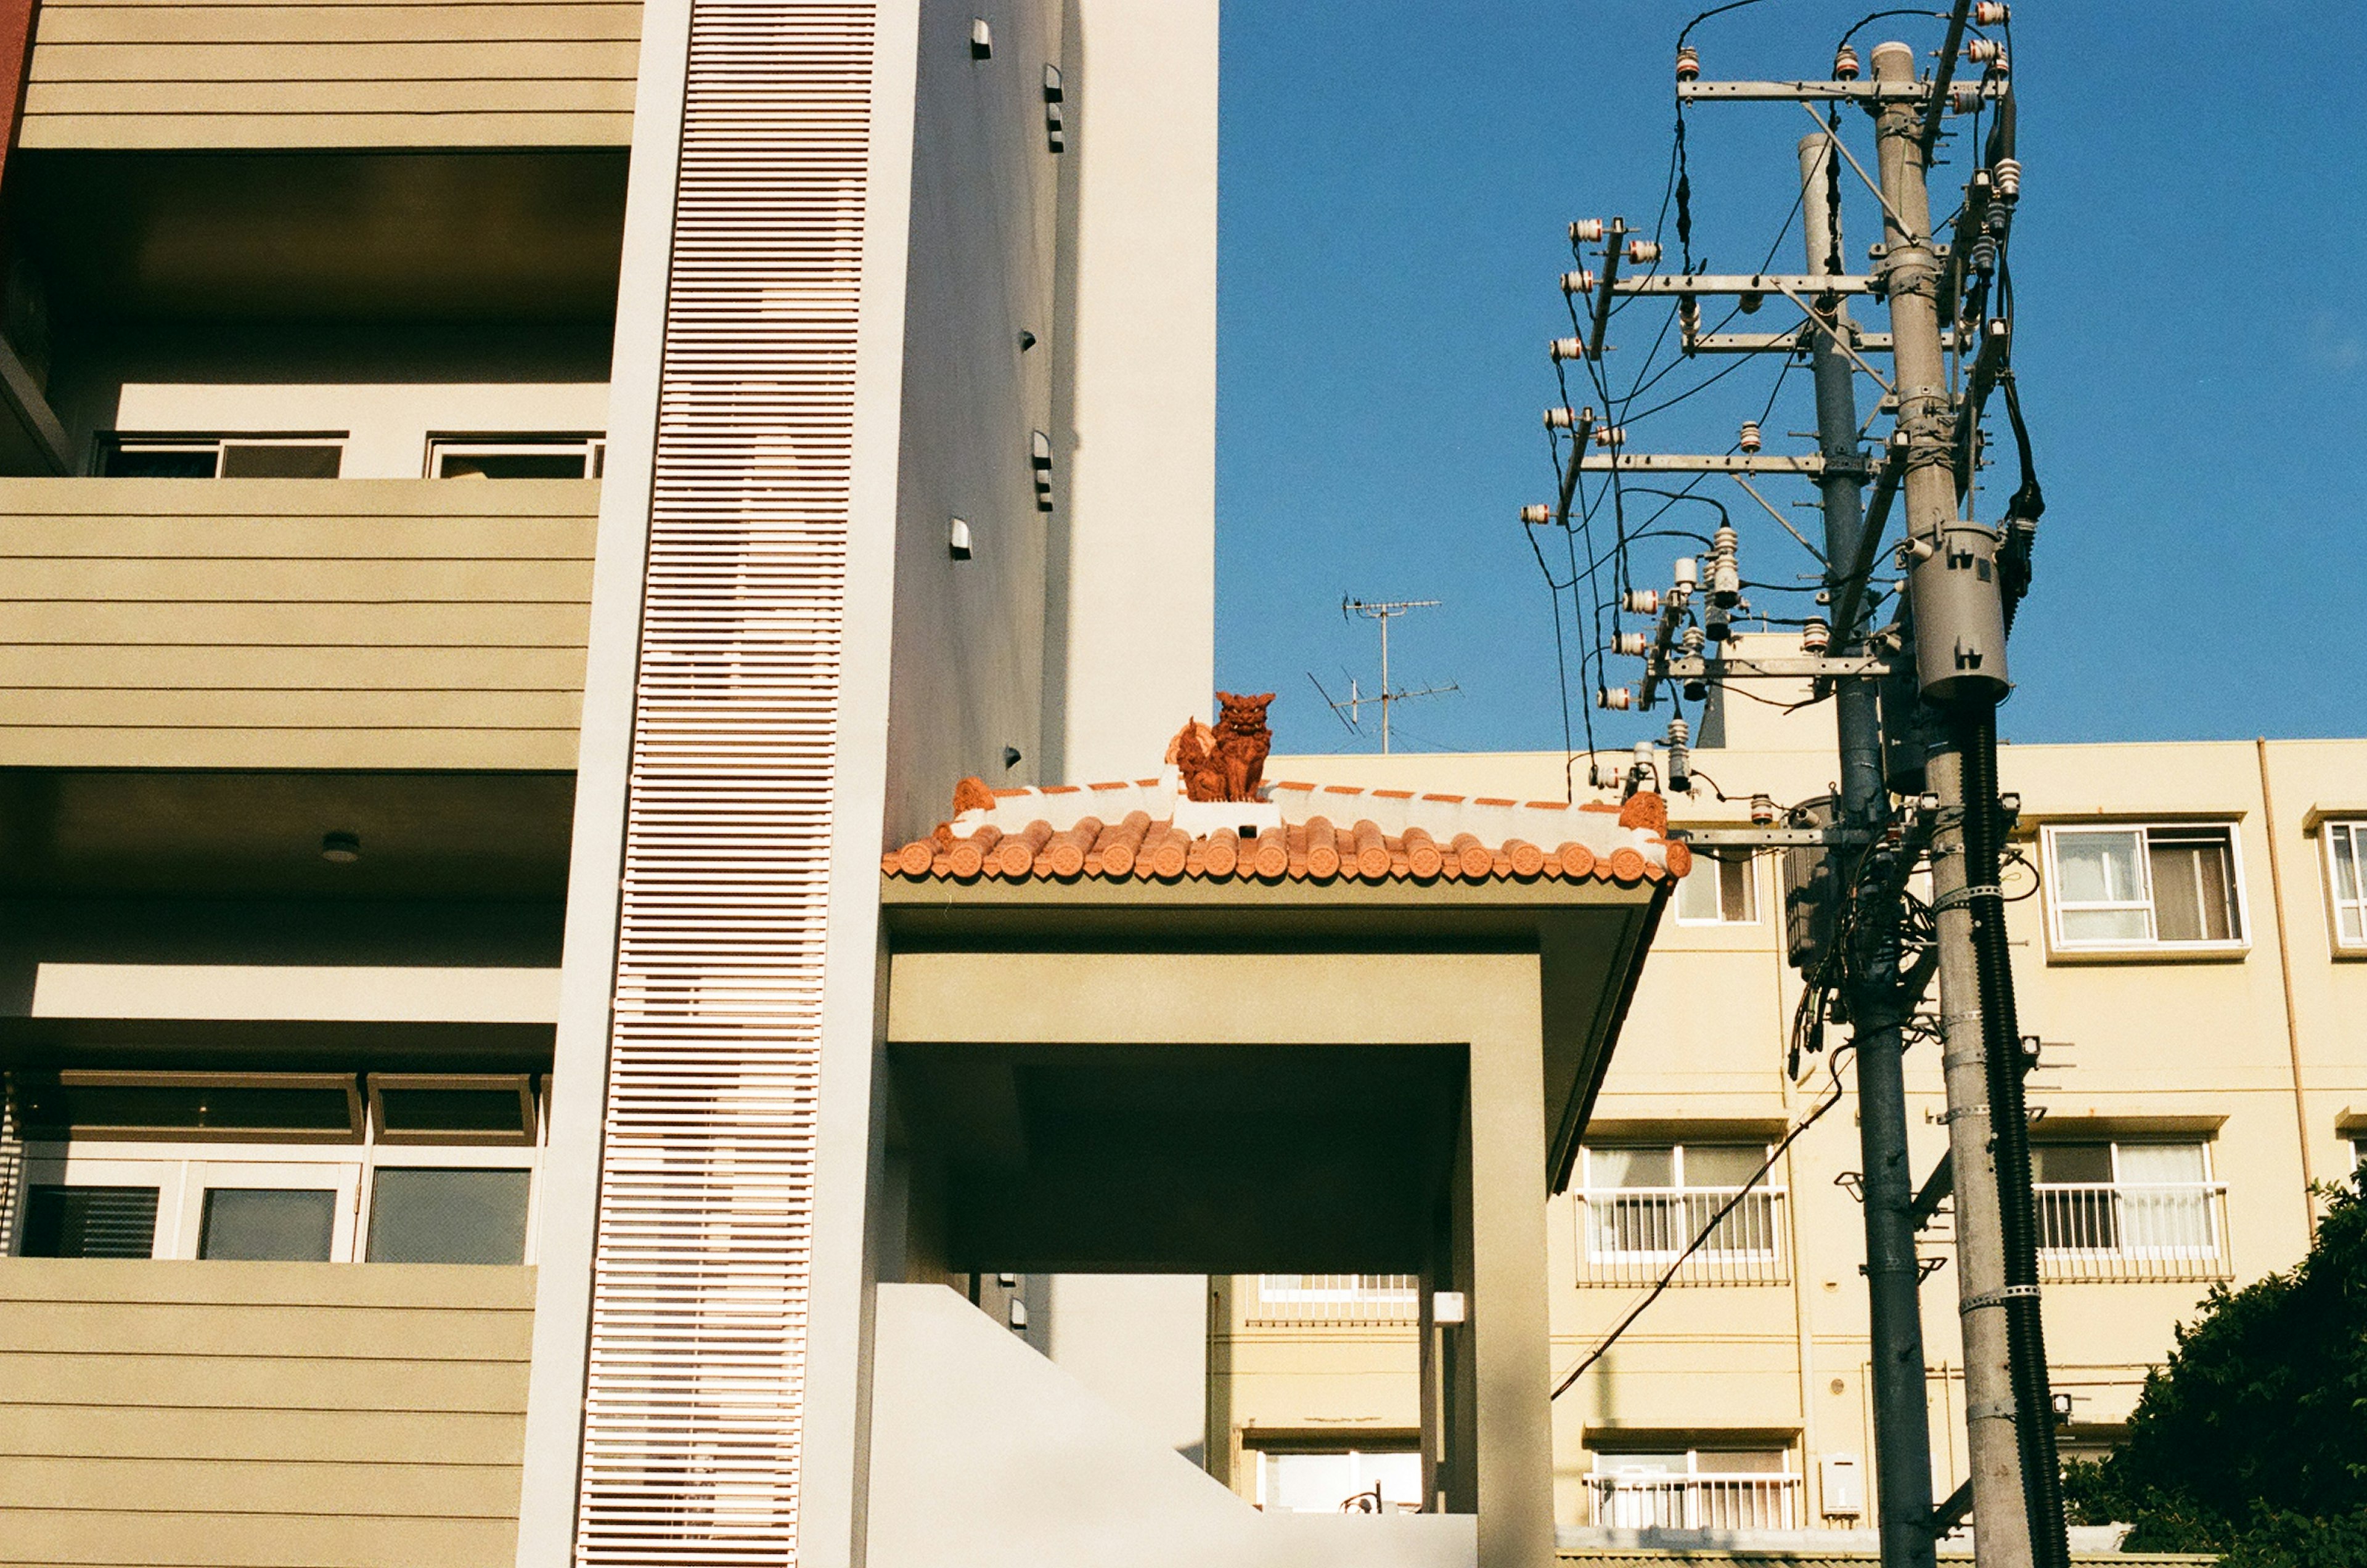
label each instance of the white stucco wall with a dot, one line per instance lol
(1133, 634)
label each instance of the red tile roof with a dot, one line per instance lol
(1146, 830)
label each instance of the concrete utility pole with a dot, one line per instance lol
(1911, 271)
(1902, 1434)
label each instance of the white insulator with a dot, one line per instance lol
(1611, 436)
(1687, 574)
(1537, 513)
(1689, 315)
(1816, 638)
(1762, 811)
(1641, 601)
(1567, 348)
(1992, 13)
(1846, 65)
(1618, 699)
(1725, 575)
(1964, 97)
(1643, 252)
(1586, 232)
(1631, 645)
(1692, 641)
(1562, 419)
(1680, 734)
(1579, 282)
(2007, 172)
(1749, 440)
(1688, 62)
(1981, 51)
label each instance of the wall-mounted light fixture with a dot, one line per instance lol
(957, 539)
(341, 849)
(981, 40)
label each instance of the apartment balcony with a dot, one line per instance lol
(293, 623)
(261, 1411)
(1632, 1236)
(1698, 1501)
(2111, 1232)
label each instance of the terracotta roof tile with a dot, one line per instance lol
(1145, 830)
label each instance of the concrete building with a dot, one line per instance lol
(512, 510)
(2188, 948)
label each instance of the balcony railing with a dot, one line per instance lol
(1630, 1236)
(2171, 1230)
(1336, 1298)
(1695, 1502)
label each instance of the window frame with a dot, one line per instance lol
(592, 444)
(1708, 856)
(2151, 945)
(2208, 1189)
(2354, 829)
(109, 442)
(1775, 1254)
(184, 1169)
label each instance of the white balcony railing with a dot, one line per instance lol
(1336, 1298)
(1630, 1234)
(2107, 1230)
(1695, 1502)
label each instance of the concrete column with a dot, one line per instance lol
(1509, 1329)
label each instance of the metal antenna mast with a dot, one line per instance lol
(1385, 611)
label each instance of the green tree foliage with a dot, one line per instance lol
(2252, 1440)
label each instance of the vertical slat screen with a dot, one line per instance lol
(692, 1427)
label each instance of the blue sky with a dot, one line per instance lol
(1397, 178)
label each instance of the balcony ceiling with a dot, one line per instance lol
(256, 834)
(518, 235)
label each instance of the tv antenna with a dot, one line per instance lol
(1350, 712)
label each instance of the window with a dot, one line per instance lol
(281, 1167)
(1310, 1482)
(309, 456)
(1337, 1298)
(1690, 1488)
(1642, 1205)
(521, 457)
(2144, 887)
(1719, 891)
(2131, 1209)
(2345, 868)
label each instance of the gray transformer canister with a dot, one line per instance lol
(1960, 618)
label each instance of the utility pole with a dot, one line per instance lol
(1877, 1002)
(1960, 661)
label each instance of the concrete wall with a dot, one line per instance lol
(232, 1413)
(2165, 1045)
(983, 1452)
(293, 623)
(302, 73)
(968, 633)
(1133, 605)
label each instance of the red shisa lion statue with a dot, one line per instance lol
(1224, 762)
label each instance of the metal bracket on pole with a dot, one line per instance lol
(1816, 92)
(1954, 1511)
(1809, 467)
(1933, 1192)
(1739, 283)
(1863, 667)
(1771, 838)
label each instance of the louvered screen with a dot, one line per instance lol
(691, 1435)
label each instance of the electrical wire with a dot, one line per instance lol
(1669, 1275)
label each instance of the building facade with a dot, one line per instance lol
(2188, 951)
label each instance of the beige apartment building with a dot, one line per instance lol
(2190, 951)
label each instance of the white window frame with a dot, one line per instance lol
(182, 1173)
(593, 444)
(1606, 1480)
(2206, 1191)
(2353, 832)
(1359, 1475)
(2239, 910)
(1590, 1192)
(1704, 859)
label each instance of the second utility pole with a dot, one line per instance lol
(1902, 1433)
(1911, 272)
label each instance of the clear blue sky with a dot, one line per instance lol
(1397, 179)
